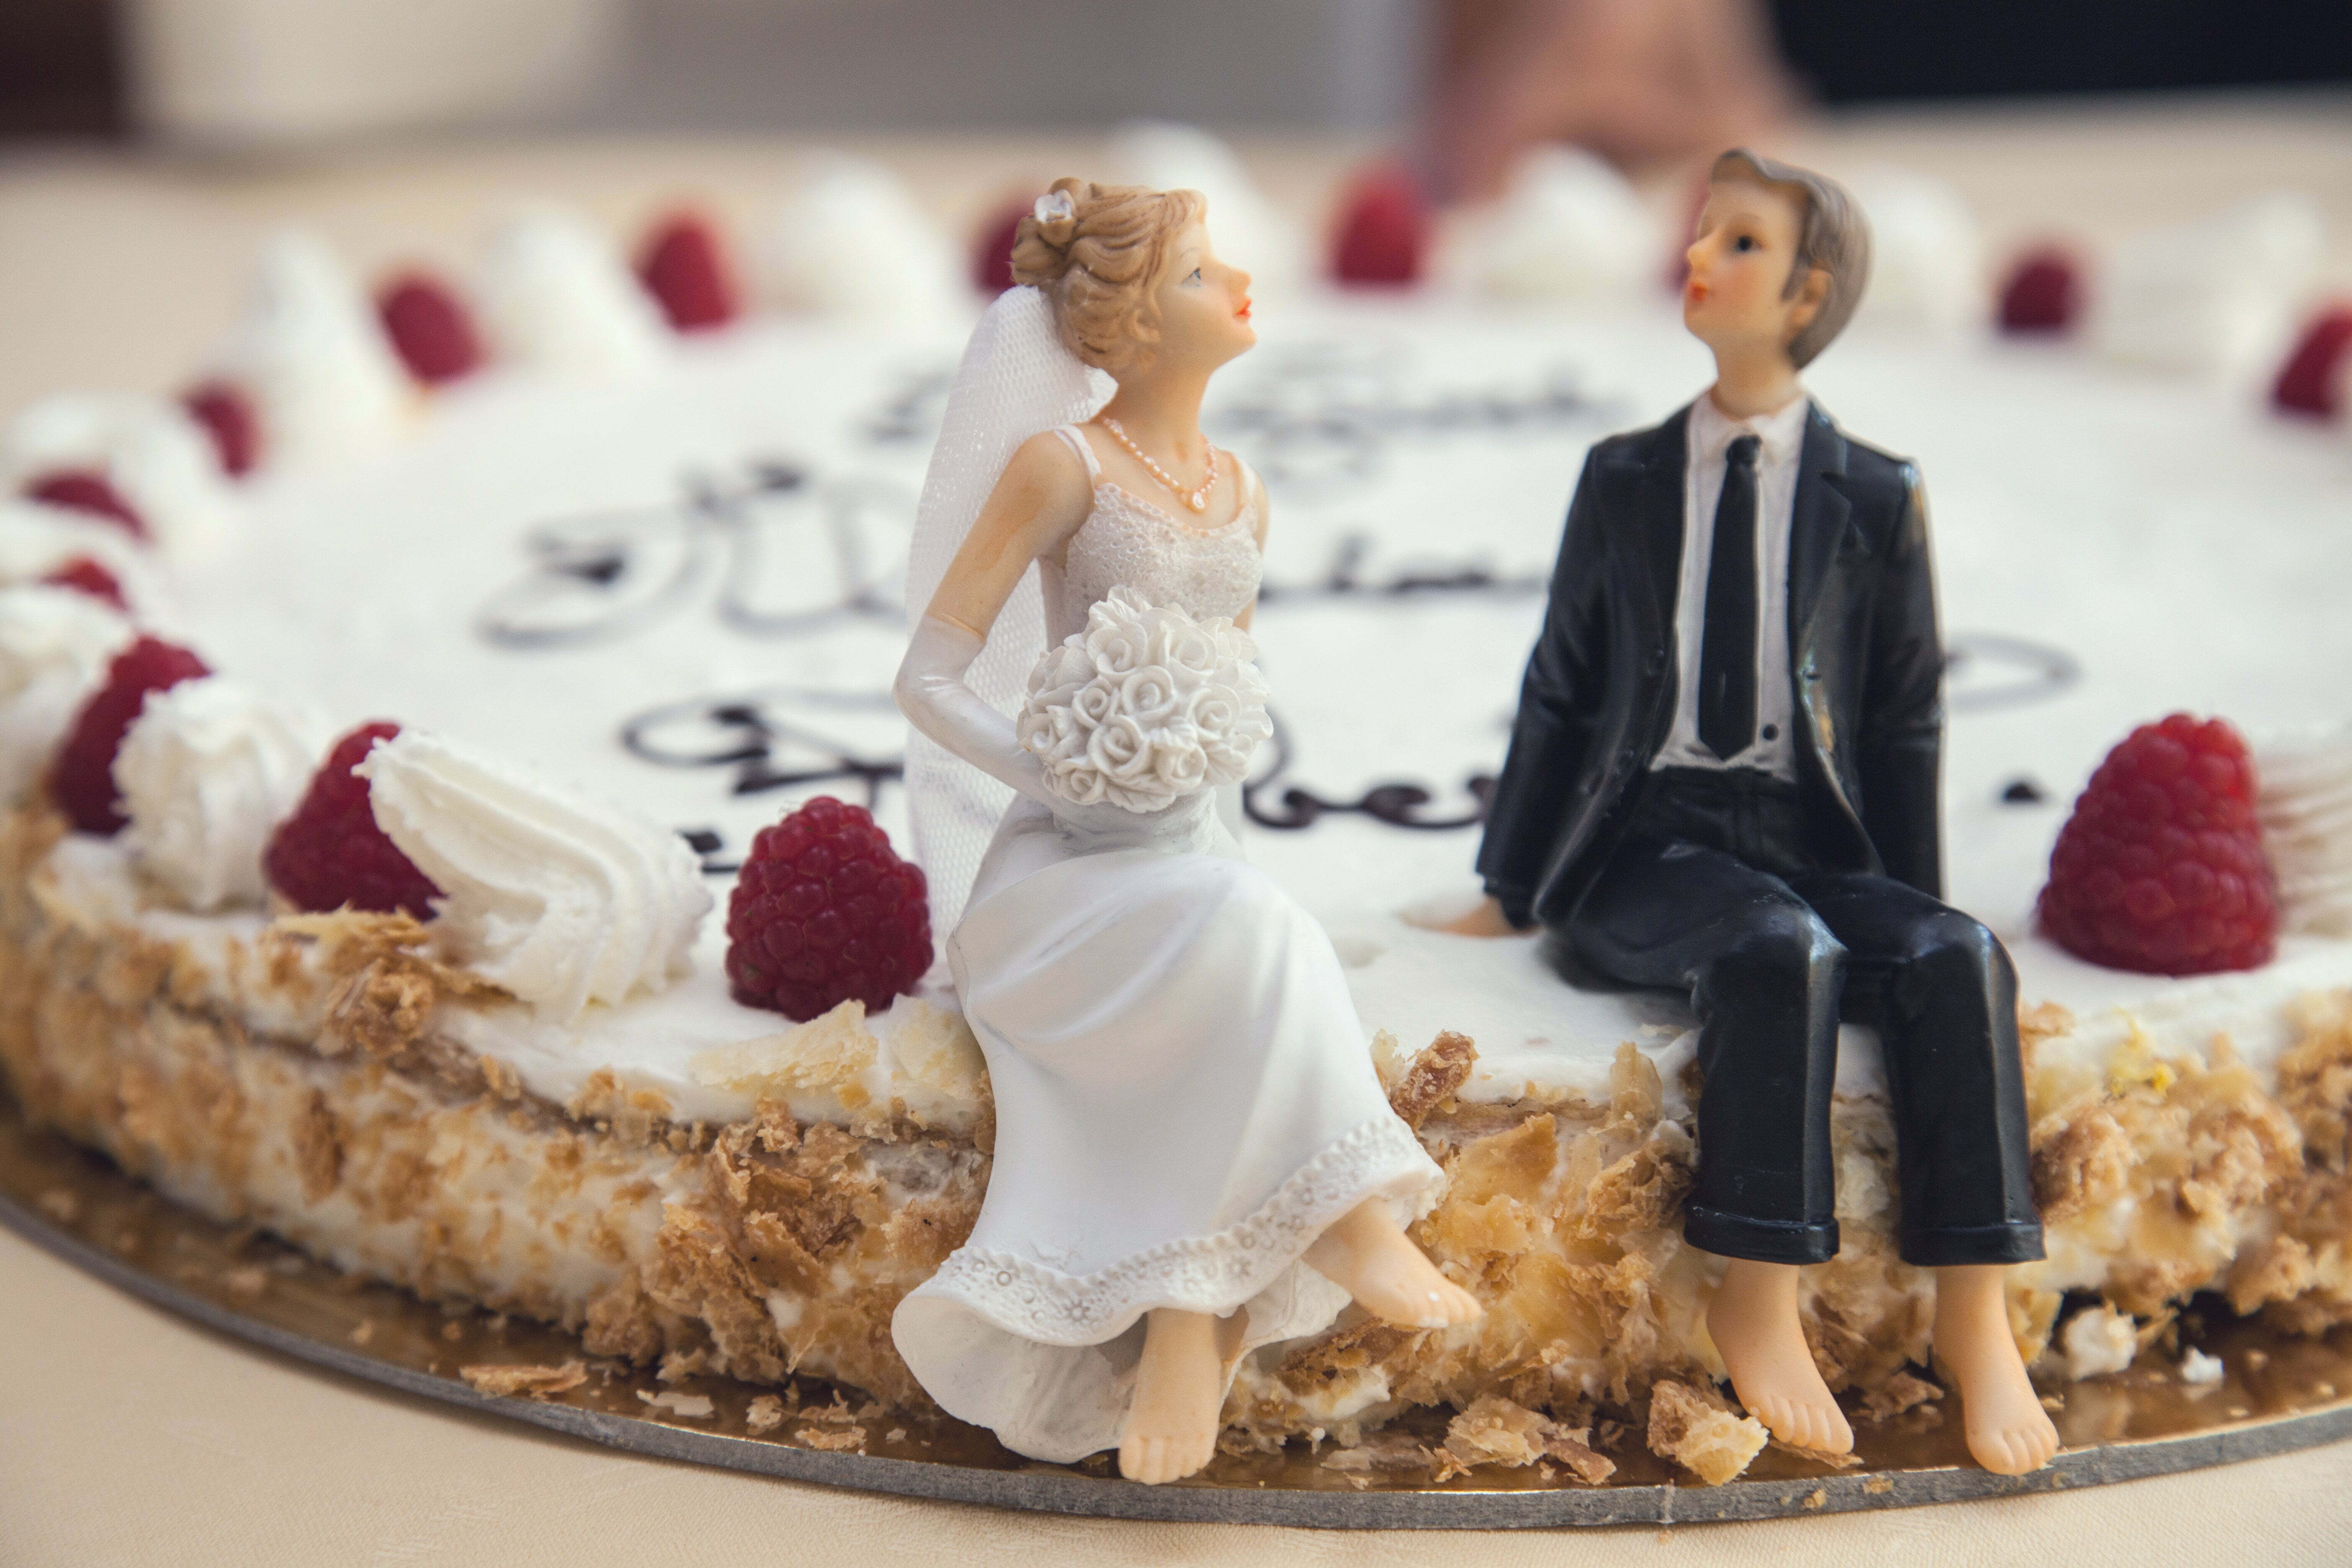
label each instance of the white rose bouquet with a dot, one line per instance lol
(1145, 707)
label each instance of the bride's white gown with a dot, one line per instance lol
(1184, 1101)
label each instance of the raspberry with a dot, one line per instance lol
(2043, 293)
(227, 416)
(429, 328)
(2313, 379)
(1384, 229)
(824, 911)
(991, 257)
(82, 779)
(685, 268)
(86, 576)
(2161, 867)
(87, 490)
(331, 854)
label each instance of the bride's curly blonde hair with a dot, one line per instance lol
(1100, 265)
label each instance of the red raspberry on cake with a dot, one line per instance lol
(88, 491)
(429, 328)
(228, 416)
(823, 912)
(331, 854)
(2314, 379)
(81, 778)
(684, 266)
(2044, 291)
(992, 256)
(2161, 868)
(1384, 229)
(84, 576)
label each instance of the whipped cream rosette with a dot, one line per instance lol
(1145, 707)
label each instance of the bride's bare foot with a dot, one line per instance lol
(1753, 1322)
(1172, 1427)
(2009, 1431)
(1366, 1253)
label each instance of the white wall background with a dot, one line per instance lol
(289, 71)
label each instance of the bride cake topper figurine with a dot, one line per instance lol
(1723, 780)
(1193, 1155)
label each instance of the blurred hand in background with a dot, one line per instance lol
(1638, 81)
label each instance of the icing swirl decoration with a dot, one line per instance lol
(562, 901)
(206, 772)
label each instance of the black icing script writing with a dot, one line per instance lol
(602, 575)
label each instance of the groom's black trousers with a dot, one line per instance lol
(1711, 892)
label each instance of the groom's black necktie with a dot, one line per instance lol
(1726, 667)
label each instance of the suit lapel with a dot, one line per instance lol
(1657, 512)
(1818, 524)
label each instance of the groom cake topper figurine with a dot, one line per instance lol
(1722, 780)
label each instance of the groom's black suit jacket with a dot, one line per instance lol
(1599, 700)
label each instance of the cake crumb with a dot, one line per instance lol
(1497, 1431)
(766, 1413)
(452, 1331)
(523, 1382)
(2199, 1370)
(849, 1439)
(249, 1282)
(364, 1333)
(1898, 1393)
(1818, 1496)
(60, 1204)
(2099, 1341)
(1442, 1068)
(1844, 1461)
(1878, 1486)
(895, 1435)
(1383, 1453)
(1698, 1434)
(693, 1407)
(837, 1414)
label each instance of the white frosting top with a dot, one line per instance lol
(326, 382)
(850, 241)
(747, 649)
(561, 899)
(555, 297)
(55, 646)
(206, 770)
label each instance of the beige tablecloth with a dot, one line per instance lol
(128, 1436)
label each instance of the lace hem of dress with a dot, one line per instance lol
(1204, 1274)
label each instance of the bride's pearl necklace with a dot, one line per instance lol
(1197, 499)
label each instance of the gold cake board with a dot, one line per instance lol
(2279, 1393)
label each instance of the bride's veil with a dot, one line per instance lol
(1016, 380)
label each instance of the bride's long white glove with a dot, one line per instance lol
(932, 693)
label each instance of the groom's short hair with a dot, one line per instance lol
(1832, 233)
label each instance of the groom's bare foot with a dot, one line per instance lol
(1366, 1253)
(1753, 1322)
(2009, 1431)
(1172, 1427)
